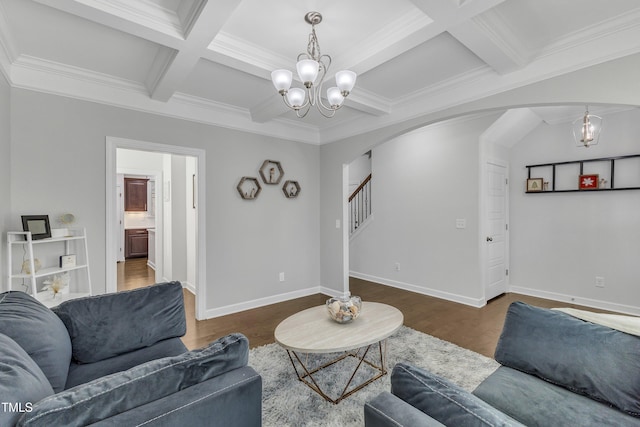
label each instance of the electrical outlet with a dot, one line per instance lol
(282, 276)
(397, 266)
(599, 282)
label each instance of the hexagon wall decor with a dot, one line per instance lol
(271, 172)
(291, 189)
(249, 187)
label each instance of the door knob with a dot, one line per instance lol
(489, 239)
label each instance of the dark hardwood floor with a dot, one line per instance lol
(476, 329)
(134, 273)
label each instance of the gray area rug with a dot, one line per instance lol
(286, 401)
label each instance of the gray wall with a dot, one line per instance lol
(59, 147)
(614, 82)
(5, 168)
(561, 242)
(422, 182)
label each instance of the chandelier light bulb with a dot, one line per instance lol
(335, 97)
(308, 71)
(587, 129)
(345, 80)
(282, 80)
(296, 97)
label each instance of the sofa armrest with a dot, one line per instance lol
(105, 326)
(387, 410)
(233, 399)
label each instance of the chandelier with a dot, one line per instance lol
(586, 129)
(312, 66)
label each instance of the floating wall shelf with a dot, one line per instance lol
(616, 173)
(271, 172)
(249, 187)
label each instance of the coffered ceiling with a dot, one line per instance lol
(210, 61)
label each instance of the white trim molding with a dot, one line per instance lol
(473, 302)
(111, 145)
(569, 299)
(261, 302)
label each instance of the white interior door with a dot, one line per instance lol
(496, 239)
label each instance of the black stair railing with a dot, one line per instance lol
(360, 205)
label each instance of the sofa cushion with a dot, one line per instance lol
(22, 382)
(233, 399)
(105, 326)
(444, 401)
(120, 392)
(386, 409)
(80, 373)
(588, 359)
(39, 332)
(538, 403)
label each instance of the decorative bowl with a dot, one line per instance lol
(344, 309)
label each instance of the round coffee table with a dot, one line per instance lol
(312, 331)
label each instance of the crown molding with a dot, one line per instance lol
(625, 29)
(73, 82)
(140, 12)
(7, 46)
(494, 27)
(144, 20)
(260, 61)
(400, 35)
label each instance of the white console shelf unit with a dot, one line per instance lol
(74, 242)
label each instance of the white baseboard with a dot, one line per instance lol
(587, 302)
(189, 286)
(474, 302)
(261, 302)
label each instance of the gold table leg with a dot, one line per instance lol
(307, 376)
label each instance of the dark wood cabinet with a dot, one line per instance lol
(135, 194)
(136, 243)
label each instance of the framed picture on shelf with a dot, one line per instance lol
(67, 261)
(38, 225)
(588, 182)
(534, 184)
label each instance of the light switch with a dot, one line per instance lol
(337, 223)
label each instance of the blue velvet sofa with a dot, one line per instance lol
(117, 360)
(556, 370)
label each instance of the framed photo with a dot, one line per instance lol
(588, 182)
(38, 225)
(534, 184)
(67, 261)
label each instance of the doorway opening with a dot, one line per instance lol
(163, 241)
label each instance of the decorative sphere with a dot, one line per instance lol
(344, 309)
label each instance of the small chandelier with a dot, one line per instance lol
(312, 65)
(587, 129)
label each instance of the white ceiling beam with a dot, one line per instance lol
(497, 55)
(205, 26)
(482, 36)
(448, 14)
(474, 24)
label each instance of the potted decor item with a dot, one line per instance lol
(344, 309)
(56, 283)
